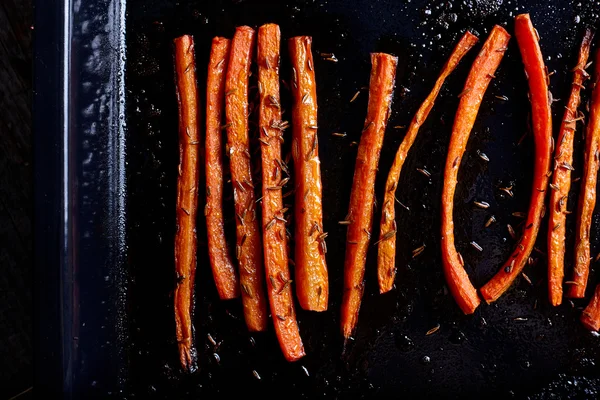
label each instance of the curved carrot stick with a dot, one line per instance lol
(590, 317)
(528, 42)
(561, 180)
(386, 260)
(311, 269)
(587, 196)
(224, 274)
(273, 213)
(248, 248)
(187, 197)
(360, 213)
(481, 74)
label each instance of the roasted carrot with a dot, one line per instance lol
(481, 74)
(187, 197)
(248, 247)
(590, 317)
(587, 196)
(386, 261)
(273, 179)
(311, 269)
(224, 274)
(561, 180)
(527, 39)
(362, 195)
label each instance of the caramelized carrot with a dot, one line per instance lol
(224, 274)
(273, 213)
(386, 261)
(248, 248)
(360, 211)
(187, 197)
(561, 180)
(311, 270)
(587, 196)
(528, 42)
(481, 74)
(590, 317)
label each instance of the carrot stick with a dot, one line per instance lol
(311, 270)
(224, 274)
(527, 40)
(590, 317)
(561, 180)
(187, 197)
(273, 213)
(481, 74)
(360, 211)
(386, 261)
(587, 197)
(248, 248)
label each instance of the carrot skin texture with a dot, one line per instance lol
(224, 274)
(590, 317)
(587, 197)
(533, 61)
(312, 281)
(561, 178)
(249, 246)
(386, 257)
(360, 211)
(482, 72)
(275, 239)
(187, 198)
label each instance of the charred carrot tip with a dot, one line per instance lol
(590, 317)
(386, 259)
(528, 42)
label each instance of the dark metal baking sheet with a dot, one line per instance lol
(518, 347)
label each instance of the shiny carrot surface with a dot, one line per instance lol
(587, 194)
(590, 317)
(561, 180)
(360, 211)
(311, 269)
(481, 74)
(249, 244)
(386, 258)
(224, 273)
(273, 178)
(187, 197)
(541, 116)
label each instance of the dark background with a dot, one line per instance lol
(16, 194)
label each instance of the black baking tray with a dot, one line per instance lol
(106, 168)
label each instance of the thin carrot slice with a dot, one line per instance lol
(481, 74)
(224, 274)
(248, 248)
(360, 211)
(590, 317)
(187, 198)
(273, 213)
(527, 39)
(561, 180)
(311, 269)
(386, 261)
(587, 197)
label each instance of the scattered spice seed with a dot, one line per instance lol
(355, 96)
(433, 330)
(483, 156)
(256, 375)
(519, 214)
(520, 319)
(476, 246)
(507, 190)
(211, 340)
(337, 134)
(416, 252)
(482, 204)
(526, 278)
(344, 222)
(424, 172)
(490, 221)
(511, 231)
(504, 98)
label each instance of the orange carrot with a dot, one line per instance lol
(561, 180)
(273, 214)
(360, 211)
(590, 317)
(224, 273)
(386, 261)
(248, 248)
(187, 197)
(481, 74)
(311, 270)
(587, 196)
(527, 39)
